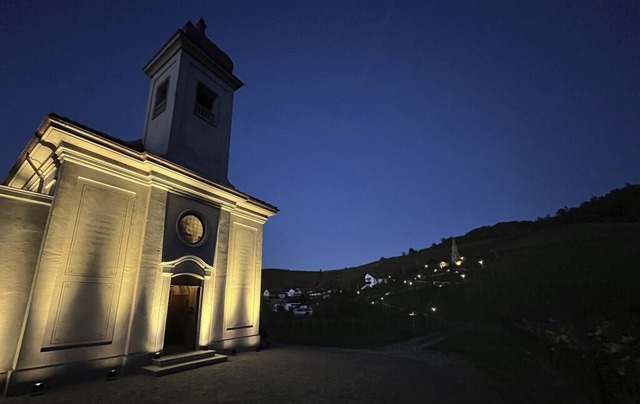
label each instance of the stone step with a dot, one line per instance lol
(168, 368)
(182, 357)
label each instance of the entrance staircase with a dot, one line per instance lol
(169, 364)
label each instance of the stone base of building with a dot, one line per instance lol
(233, 345)
(22, 381)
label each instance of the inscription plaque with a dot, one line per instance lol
(85, 298)
(244, 255)
(242, 277)
(99, 229)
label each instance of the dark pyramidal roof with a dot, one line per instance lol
(196, 33)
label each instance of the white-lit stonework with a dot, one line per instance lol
(112, 251)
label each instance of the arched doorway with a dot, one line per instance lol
(183, 314)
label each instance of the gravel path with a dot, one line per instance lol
(402, 373)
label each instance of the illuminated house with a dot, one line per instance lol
(373, 280)
(114, 251)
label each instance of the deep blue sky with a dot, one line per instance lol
(375, 126)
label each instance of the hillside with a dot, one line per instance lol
(561, 290)
(620, 207)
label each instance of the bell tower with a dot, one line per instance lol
(190, 103)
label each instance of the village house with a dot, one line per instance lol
(371, 280)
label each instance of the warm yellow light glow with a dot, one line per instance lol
(459, 262)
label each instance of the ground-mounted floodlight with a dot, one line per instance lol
(37, 389)
(112, 374)
(157, 354)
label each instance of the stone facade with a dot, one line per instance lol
(111, 253)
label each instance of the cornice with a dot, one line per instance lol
(83, 147)
(23, 195)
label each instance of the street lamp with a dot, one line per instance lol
(413, 319)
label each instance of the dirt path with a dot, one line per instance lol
(403, 373)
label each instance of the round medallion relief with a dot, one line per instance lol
(191, 229)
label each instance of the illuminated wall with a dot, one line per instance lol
(23, 216)
(90, 289)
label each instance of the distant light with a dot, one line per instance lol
(434, 309)
(419, 276)
(413, 313)
(357, 292)
(435, 270)
(405, 281)
(480, 262)
(410, 283)
(372, 302)
(382, 298)
(463, 276)
(426, 265)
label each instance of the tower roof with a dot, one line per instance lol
(192, 39)
(198, 36)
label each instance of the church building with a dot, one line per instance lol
(115, 255)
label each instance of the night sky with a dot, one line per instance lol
(374, 126)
